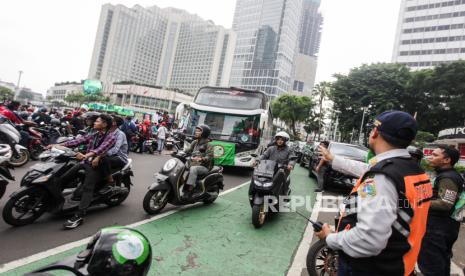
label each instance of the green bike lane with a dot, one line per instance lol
(219, 238)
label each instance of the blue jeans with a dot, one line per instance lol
(161, 145)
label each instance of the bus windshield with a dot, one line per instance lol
(229, 98)
(227, 127)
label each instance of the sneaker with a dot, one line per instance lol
(73, 222)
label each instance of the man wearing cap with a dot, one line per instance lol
(384, 218)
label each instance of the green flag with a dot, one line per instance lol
(224, 153)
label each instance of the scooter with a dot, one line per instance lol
(11, 136)
(41, 190)
(5, 174)
(267, 185)
(170, 181)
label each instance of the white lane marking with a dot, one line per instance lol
(299, 262)
(65, 247)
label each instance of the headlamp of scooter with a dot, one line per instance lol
(42, 179)
(169, 165)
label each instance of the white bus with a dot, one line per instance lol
(240, 122)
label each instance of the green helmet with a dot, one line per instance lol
(117, 251)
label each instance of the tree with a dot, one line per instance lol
(321, 90)
(6, 93)
(422, 138)
(80, 98)
(370, 89)
(292, 109)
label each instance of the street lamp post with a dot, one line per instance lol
(360, 139)
(17, 84)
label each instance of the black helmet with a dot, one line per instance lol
(24, 115)
(415, 152)
(205, 130)
(91, 115)
(55, 122)
(116, 251)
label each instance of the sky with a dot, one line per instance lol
(52, 40)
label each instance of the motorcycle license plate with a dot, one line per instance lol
(169, 143)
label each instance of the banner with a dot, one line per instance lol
(224, 153)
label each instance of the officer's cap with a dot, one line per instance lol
(398, 128)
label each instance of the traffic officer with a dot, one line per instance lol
(443, 218)
(382, 224)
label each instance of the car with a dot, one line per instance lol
(335, 179)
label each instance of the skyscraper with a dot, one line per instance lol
(430, 33)
(164, 47)
(267, 44)
(309, 45)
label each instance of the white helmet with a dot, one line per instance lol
(282, 134)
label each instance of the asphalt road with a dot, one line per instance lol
(47, 231)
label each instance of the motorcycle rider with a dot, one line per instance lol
(384, 219)
(115, 158)
(41, 116)
(202, 158)
(99, 143)
(280, 153)
(444, 215)
(9, 111)
(416, 153)
(116, 251)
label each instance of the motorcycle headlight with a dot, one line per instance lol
(41, 179)
(267, 184)
(169, 165)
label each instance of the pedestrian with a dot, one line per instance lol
(444, 215)
(162, 133)
(384, 218)
(321, 169)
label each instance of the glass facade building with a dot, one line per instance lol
(267, 44)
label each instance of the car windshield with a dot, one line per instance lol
(354, 151)
(234, 128)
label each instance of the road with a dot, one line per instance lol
(47, 232)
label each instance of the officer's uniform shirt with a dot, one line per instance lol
(377, 209)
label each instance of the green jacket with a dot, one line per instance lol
(203, 149)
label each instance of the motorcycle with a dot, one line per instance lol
(36, 146)
(170, 182)
(10, 135)
(321, 260)
(169, 143)
(5, 174)
(150, 145)
(41, 191)
(268, 184)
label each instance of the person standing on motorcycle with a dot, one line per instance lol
(383, 222)
(444, 216)
(162, 132)
(98, 144)
(280, 153)
(201, 152)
